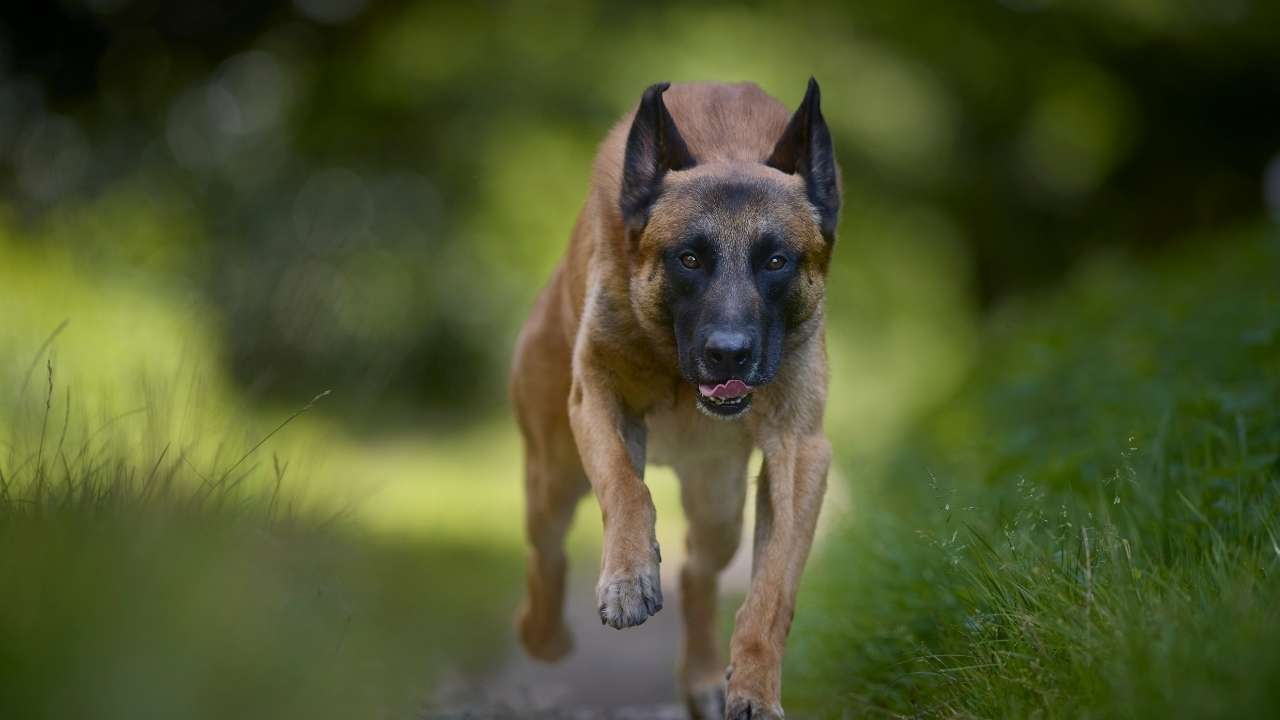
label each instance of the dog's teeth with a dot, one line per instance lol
(720, 401)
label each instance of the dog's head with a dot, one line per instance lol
(730, 256)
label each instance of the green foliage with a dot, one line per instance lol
(1088, 529)
(369, 203)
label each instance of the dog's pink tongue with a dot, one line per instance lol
(731, 389)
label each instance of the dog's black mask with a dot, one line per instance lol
(738, 243)
(728, 286)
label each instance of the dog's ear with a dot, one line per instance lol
(654, 146)
(805, 150)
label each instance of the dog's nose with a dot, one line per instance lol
(727, 353)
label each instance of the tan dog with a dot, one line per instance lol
(691, 292)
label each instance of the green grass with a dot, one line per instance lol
(1090, 527)
(160, 578)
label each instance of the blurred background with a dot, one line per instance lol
(237, 205)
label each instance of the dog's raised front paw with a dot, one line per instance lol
(744, 708)
(628, 599)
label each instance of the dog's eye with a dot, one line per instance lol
(690, 261)
(775, 263)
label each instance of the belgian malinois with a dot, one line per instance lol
(685, 327)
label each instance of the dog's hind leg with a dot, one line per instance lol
(712, 493)
(554, 483)
(554, 480)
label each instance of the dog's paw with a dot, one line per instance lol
(628, 599)
(547, 644)
(706, 703)
(745, 708)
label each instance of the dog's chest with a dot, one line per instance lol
(678, 433)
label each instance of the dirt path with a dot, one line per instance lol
(611, 674)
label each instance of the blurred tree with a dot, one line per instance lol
(379, 188)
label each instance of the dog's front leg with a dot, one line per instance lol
(611, 443)
(788, 498)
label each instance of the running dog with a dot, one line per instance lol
(685, 326)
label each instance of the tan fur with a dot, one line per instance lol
(597, 393)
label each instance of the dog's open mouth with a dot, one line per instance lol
(725, 399)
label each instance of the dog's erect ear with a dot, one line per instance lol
(805, 150)
(654, 146)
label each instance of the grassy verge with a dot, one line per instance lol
(160, 578)
(1089, 528)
